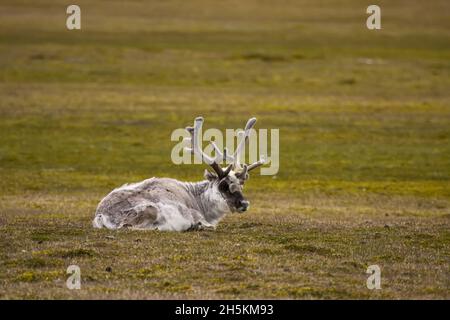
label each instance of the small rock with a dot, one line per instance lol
(108, 269)
(110, 237)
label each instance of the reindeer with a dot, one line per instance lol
(170, 205)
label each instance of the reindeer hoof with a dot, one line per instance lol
(200, 226)
(208, 227)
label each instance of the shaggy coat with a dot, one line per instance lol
(164, 204)
(171, 205)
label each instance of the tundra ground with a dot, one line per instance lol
(364, 119)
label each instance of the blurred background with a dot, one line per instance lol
(364, 118)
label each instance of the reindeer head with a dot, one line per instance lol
(228, 181)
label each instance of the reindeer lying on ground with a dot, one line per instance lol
(171, 205)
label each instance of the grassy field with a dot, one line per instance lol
(364, 119)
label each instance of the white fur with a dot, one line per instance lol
(162, 204)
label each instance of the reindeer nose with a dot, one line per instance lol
(243, 205)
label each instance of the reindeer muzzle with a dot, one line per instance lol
(243, 206)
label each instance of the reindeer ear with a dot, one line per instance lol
(209, 175)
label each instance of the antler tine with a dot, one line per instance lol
(243, 175)
(256, 164)
(196, 149)
(196, 143)
(244, 136)
(219, 155)
(238, 151)
(189, 140)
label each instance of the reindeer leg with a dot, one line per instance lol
(204, 225)
(141, 216)
(199, 223)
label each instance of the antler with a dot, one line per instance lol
(243, 138)
(196, 149)
(242, 171)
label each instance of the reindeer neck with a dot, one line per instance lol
(196, 189)
(208, 200)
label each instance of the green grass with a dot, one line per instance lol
(364, 119)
